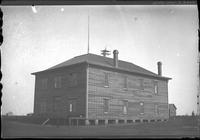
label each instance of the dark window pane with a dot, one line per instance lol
(57, 82)
(141, 108)
(73, 81)
(43, 83)
(106, 105)
(141, 84)
(106, 82)
(125, 82)
(125, 107)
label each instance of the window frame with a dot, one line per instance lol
(58, 82)
(141, 107)
(56, 103)
(43, 107)
(73, 79)
(72, 104)
(106, 79)
(155, 87)
(125, 105)
(43, 83)
(141, 84)
(106, 105)
(125, 82)
(156, 109)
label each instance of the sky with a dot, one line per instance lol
(36, 38)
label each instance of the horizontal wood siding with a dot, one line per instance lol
(65, 94)
(117, 94)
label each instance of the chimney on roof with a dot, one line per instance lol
(115, 58)
(159, 68)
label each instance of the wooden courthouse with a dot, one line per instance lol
(100, 89)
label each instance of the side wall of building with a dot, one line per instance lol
(67, 98)
(125, 96)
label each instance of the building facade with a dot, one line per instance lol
(99, 88)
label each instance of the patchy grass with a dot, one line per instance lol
(174, 128)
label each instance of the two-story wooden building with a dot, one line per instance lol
(101, 89)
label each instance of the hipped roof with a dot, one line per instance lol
(104, 62)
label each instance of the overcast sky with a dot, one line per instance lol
(36, 39)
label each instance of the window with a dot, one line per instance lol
(125, 82)
(72, 105)
(43, 107)
(73, 79)
(156, 109)
(141, 84)
(43, 83)
(141, 108)
(155, 87)
(57, 82)
(106, 105)
(125, 107)
(56, 104)
(106, 78)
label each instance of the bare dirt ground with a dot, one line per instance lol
(13, 129)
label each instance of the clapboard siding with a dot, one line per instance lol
(65, 93)
(116, 93)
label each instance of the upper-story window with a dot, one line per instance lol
(141, 84)
(57, 82)
(106, 80)
(43, 83)
(155, 87)
(73, 81)
(125, 85)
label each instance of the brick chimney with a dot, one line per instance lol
(159, 68)
(115, 58)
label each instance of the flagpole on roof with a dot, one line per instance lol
(88, 34)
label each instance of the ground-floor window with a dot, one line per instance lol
(56, 104)
(125, 107)
(156, 109)
(72, 105)
(43, 107)
(106, 105)
(141, 108)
